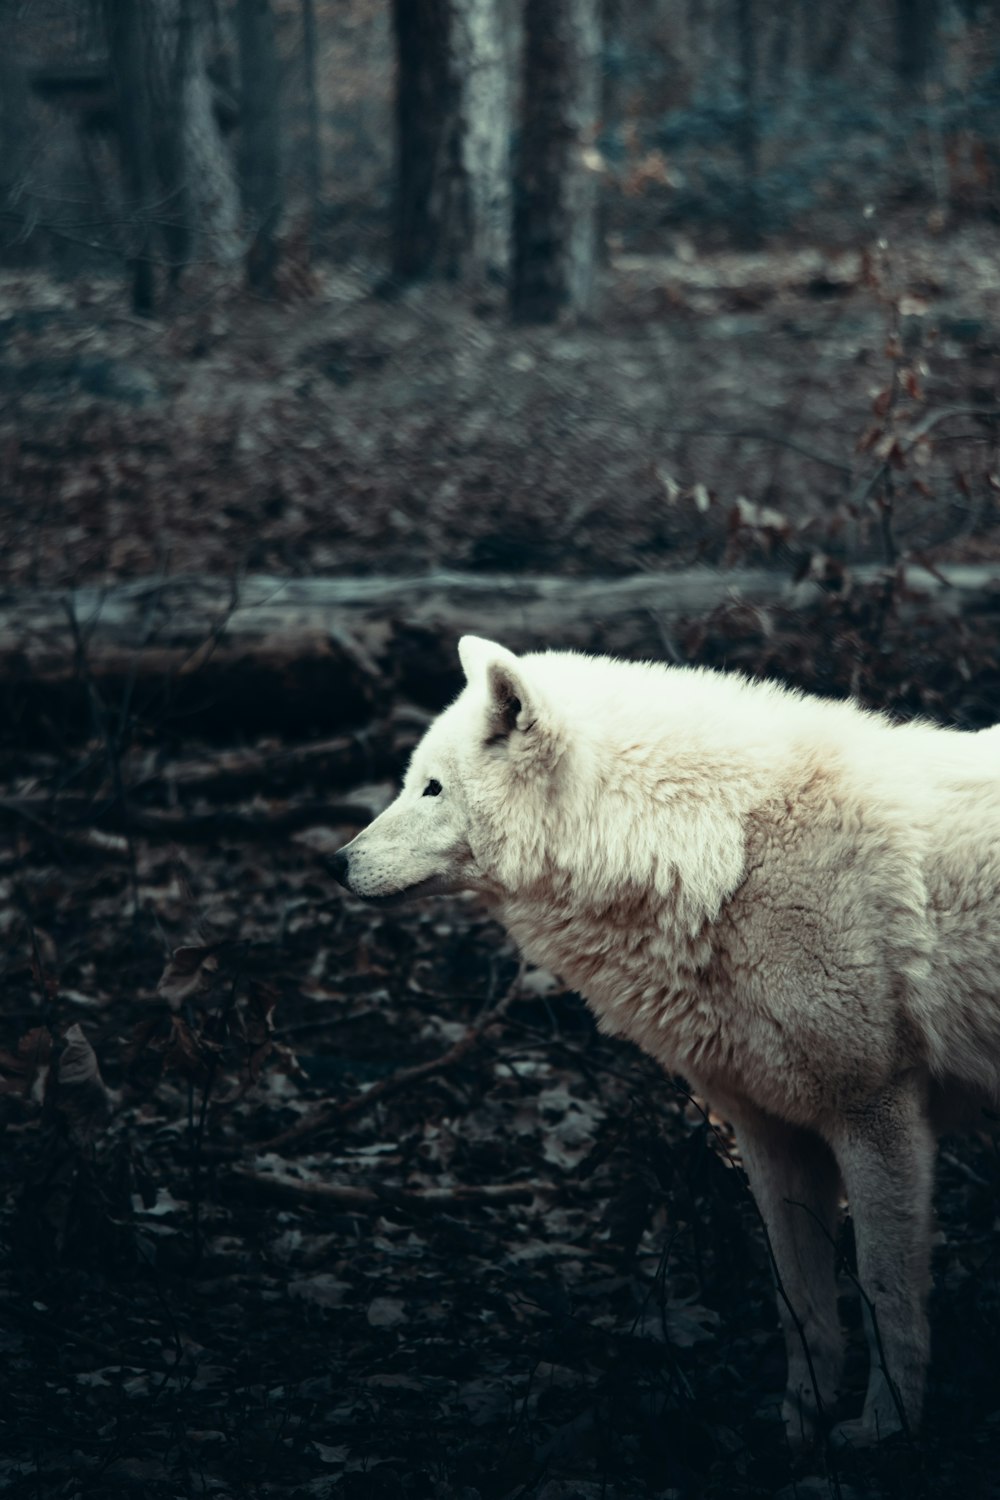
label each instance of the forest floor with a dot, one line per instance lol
(350, 430)
(305, 1198)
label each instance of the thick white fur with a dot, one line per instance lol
(792, 902)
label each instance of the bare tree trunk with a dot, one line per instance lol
(178, 177)
(211, 199)
(452, 140)
(827, 56)
(749, 141)
(556, 187)
(260, 154)
(426, 108)
(314, 170)
(803, 50)
(162, 39)
(611, 110)
(125, 25)
(15, 114)
(781, 45)
(916, 34)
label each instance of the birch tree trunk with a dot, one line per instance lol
(260, 153)
(452, 212)
(556, 183)
(211, 200)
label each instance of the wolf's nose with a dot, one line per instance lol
(338, 864)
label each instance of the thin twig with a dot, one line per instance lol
(871, 482)
(763, 435)
(102, 724)
(219, 1027)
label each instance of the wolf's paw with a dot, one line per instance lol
(859, 1433)
(880, 1425)
(805, 1414)
(801, 1419)
(882, 1421)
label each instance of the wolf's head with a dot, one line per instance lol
(471, 810)
(561, 778)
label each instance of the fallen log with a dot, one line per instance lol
(66, 816)
(345, 760)
(309, 655)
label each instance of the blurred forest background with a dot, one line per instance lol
(330, 329)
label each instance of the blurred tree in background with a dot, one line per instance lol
(916, 34)
(556, 221)
(486, 139)
(452, 188)
(260, 155)
(176, 166)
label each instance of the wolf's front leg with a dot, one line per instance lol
(886, 1152)
(795, 1182)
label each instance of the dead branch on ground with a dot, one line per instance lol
(338, 1114)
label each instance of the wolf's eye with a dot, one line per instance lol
(432, 789)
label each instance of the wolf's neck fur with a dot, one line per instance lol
(639, 955)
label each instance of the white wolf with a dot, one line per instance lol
(794, 903)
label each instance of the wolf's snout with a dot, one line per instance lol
(338, 865)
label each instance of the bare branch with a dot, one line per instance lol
(338, 1114)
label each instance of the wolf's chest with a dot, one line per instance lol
(705, 1002)
(643, 975)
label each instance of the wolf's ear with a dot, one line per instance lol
(508, 699)
(475, 654)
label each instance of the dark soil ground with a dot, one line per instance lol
(252, 1245)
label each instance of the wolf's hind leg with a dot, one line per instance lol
(795, 1182)
(886, 1153)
